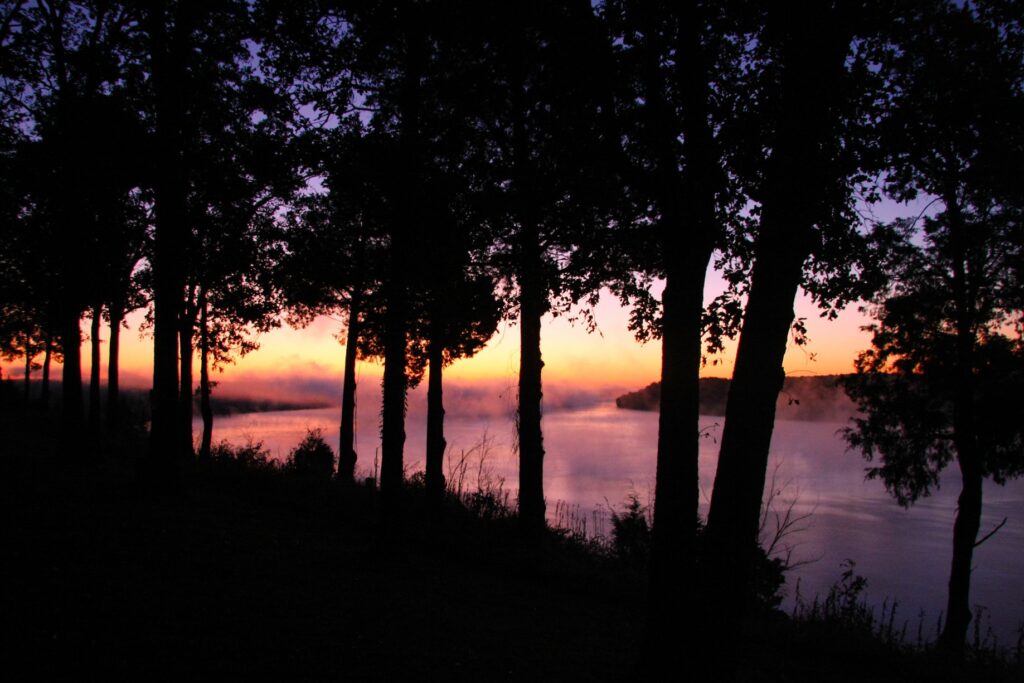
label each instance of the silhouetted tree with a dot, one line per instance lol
(947, 362)
(204, 96)
(63, 76)
(677, 63)
(123, 289)
(28, 285)
(395, 110)
(352, 59)
(243, 171)
(237, 300)
(461, 315)
(326, 271)
(537, 99)
(335, 245)
(199, 60)
(799, 158)
(169, 29)
(922, 408)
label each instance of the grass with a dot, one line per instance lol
(846, 612)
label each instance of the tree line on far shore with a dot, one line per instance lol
(425, 170)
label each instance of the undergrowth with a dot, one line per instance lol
(845, 610)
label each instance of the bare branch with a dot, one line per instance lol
(991, 533)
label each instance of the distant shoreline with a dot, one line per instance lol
(243, 406)
(814, 399)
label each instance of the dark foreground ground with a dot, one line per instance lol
(236, 571)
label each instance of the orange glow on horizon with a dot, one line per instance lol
(610, 358)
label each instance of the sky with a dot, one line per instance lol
(306, 364)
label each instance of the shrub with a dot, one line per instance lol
(631, 533)
(313, 456)
(250, 456)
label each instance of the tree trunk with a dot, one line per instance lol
(965, 535)
(392, 441)
(186, 397)
(435, 422)
(28, 371)
(44, 398)
(204, 380)
(113, 369)
(677, 485)
(532, 306)
(346, 446)
(71, 377)
(814, 53)
(687, 204)
(758, 375)
(170, 234)
(968, 514)
(395, 383)
(94, 370)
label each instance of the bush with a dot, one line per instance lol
(250, 456)
(631, 533)
(313, 456)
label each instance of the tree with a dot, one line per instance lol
(947, 361)
(801, 156)
(63, 76)
(122, 287)
(243, 169)
(676, 64)
(942, 379)
(361, 69)
(542, 181)
(461, 314)
(328, 269)
(236, 300)
(199, 64)
(386, 75)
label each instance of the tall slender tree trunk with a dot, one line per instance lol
(394, 389)
(968, 512)
(689, 231)
(965, 535)
(813, 54)
(70, 250)
(677, 485)
(346, 446)
(94, 370)
(71, 376)
(204, 380)
(435, 420)
(170, 235)
(758, 375)
(395, 383)
(113, 368)
(28, 371)
(185, 398)
(532, 306)
(44, 398)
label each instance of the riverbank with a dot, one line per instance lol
(246, 568)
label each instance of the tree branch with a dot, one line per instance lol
(991, 533)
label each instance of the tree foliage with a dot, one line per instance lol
(907, 383)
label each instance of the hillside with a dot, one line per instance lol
(802, 398)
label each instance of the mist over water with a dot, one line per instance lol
(595, 455)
